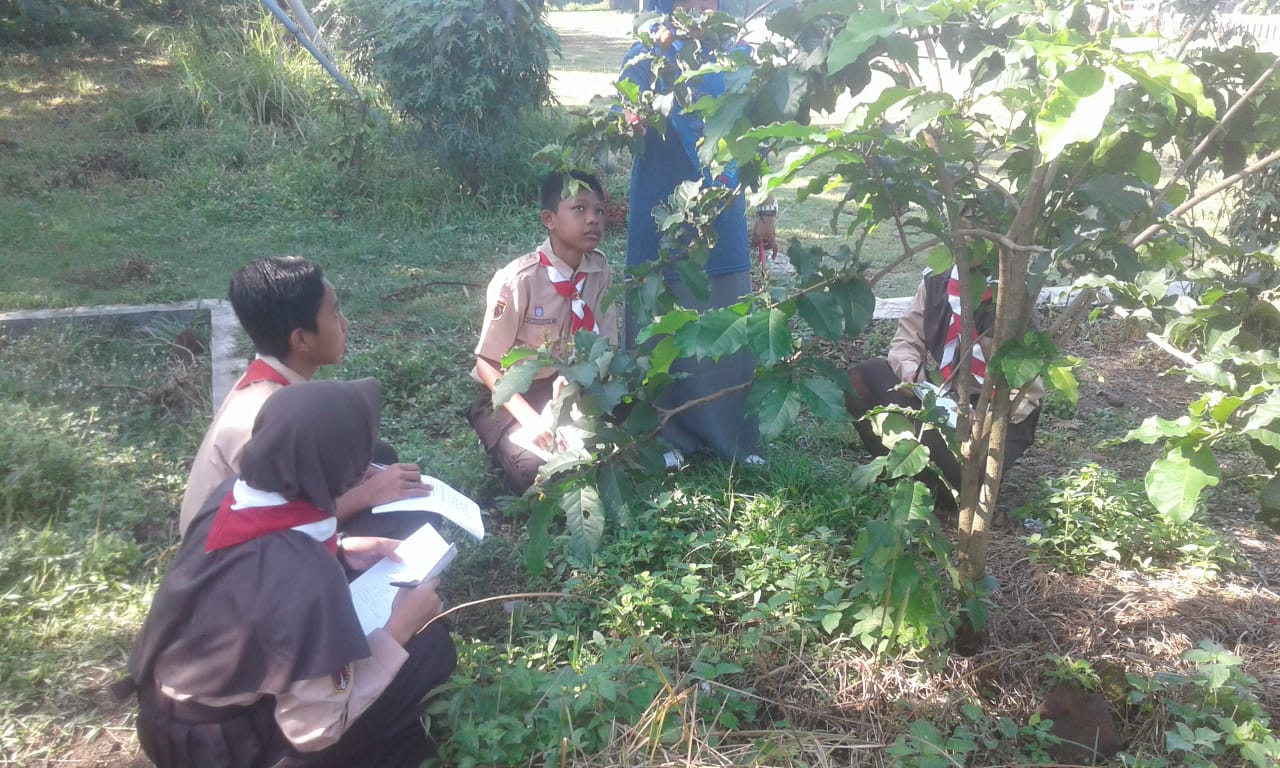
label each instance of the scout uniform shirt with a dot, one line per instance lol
(921, 333)
(524, 309)
(219, 454)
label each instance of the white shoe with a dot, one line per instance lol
(674, 460)
(755, 460)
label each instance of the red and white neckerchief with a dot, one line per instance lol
(571, 289)
(261, 370)
(247, 513)
(951, 349)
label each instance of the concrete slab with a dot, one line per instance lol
(225, 365)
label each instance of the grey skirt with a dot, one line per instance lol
(720, 426)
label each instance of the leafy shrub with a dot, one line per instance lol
(1091, 515)
(1212, 716)
(504, 708)
(245, 66)
(470, 72)
(41, 467)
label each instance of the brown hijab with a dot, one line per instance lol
(261, 615)
(313, 441)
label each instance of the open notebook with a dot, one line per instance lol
(424, 554)
(444, 501)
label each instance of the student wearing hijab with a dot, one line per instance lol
(251, 654)
(720, 426)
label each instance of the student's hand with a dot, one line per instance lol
(549, 443)
(765, 233)
(361, 552)
(395, 482)
(412, 608)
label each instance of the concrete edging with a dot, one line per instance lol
(225, 366)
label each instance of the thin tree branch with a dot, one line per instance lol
(1004, 241)
(906, 255)
(1009, 197)
(1197, 154)
(666, 414)
(1071, 315)
(1226, 183)
(1186, 39)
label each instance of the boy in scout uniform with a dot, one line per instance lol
(543, 297)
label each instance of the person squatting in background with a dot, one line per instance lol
(292, 315)
(931, 328)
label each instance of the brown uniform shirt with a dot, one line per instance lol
(523, 308)
(908, 355)
(219, 454)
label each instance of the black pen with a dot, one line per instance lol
(405, 584)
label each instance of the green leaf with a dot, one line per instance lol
(584, 518)
(609, 483)
(906, 459)
(1018, 364)
(776, 401)
(538, 528)
(514, 381)
(824, 398)
(1269, 504)
(663, 356)
(1265, 412)
(863, 476)
(1174, 482)
(864, 29)
(668, 323)
(858, 303)
(717, 333)
(1075, 111)
(909, 502)
(1062, 378)
(1161, 74)
(940, 259)
(830, 621)
(694, 276)
(769, 336)
(822, 313)
(1155, 429)
(1125, 195)
(1147, 168)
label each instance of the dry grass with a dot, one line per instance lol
(845, 707)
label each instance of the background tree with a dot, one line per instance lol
(465, 70)
(1033, 142)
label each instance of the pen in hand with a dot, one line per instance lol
(405, 584)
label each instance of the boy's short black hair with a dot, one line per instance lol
(273, 296)
(553, 187)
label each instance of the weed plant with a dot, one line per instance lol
(1090, 515)
(244, 67)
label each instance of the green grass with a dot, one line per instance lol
(719, 574)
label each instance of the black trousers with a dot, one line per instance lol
(876, 385)
(518, 467)
(389, 734)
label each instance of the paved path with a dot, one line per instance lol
(592, 45)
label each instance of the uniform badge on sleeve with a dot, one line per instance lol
(504, 298)
(342, 679)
